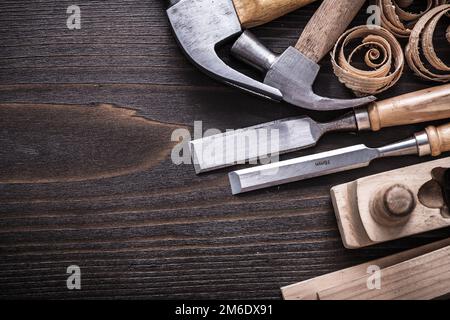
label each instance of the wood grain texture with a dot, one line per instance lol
(83, 143)
(138, 225)
(345, 205)
(310, 289)
(421, 106)
(326, 26)
(439, 139)
(254, 13)
(354, 205)
(425, 277)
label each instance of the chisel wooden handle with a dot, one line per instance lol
(253, 13)
(326, 26)
(421, 106)
(439, 139)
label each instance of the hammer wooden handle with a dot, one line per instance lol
(439, 139)
(421, 106)
(253, 13)
(326, 26)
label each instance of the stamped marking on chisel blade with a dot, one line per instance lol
(302, 168)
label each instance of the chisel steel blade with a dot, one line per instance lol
(302, 168)
(253, 143)
(323, 163)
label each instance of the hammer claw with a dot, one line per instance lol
(319, 103)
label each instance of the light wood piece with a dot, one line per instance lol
(326, 26)
(310, 289)
(353, 203)
(253, 13)
(345, 205)
(439, 139)
(420, 106)
(425, 277)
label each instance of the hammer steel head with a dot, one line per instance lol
(292, 73)
(200, 26)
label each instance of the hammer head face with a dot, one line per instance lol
(200, 26)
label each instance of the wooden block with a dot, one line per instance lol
(309, 289)
(425, 277)
(349, 221)
(354, 206)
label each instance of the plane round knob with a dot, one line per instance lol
(393, 206)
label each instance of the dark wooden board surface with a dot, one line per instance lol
(86, 179)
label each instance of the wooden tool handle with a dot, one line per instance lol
(439, 139)
(253, 13)
(421, 106)
(326, 26)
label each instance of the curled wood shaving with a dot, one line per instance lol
(396, 18)
(383, 55)
(421, 40)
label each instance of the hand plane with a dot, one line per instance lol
(393, 205)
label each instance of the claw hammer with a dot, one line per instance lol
(202, 25)
(295, 71)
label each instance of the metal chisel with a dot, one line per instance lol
(433, 141)
(292, 134)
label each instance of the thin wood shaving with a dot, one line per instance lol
(399, 21)
(421, 41)
(384, 56)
